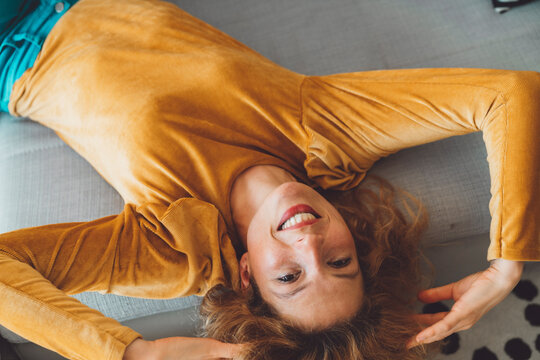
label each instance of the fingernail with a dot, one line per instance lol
(420, 338)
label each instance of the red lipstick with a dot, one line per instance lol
(296, 209)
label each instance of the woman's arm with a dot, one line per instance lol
(181, 348)
(355, 119)
(183, 251)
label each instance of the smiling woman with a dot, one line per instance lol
(300, 250)
(218, 153)
(367, 314)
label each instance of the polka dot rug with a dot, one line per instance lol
(511, 330)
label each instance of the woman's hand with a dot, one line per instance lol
(474, 296)
(180, 348)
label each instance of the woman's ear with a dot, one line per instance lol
(244, 271)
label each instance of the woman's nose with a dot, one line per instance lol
(309, 247)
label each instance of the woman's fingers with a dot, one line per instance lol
(464, 313)
(412, 343)
(436, 294)
(425, 320)
(429, 319)
(448, 325)
(474, 295)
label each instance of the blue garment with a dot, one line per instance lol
(9, 9)
(23, 36)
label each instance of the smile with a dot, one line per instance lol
(298, 216)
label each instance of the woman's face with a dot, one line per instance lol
(303, 258)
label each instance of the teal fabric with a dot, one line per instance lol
(8, 10)
(27, 24)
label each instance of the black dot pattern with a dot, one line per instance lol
(532, 314)
(451, 344)
(484, 354)
(525, 290)
(537, 343)
(517, 349)
(435, 308)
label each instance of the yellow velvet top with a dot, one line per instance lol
(170, 111)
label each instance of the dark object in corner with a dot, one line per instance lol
(502, 6)
(6, 351)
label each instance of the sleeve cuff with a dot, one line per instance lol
(124, 339)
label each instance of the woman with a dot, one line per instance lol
(216, 150)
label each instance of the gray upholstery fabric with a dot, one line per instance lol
(321, 37)
(43, 181)
(451, 178)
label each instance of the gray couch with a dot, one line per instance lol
(43, 181)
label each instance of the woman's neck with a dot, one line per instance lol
(249, 191)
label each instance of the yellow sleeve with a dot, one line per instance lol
(354, 119)
(185, 251)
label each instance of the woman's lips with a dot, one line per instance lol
(297, 209)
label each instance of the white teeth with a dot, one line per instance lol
(298, 218)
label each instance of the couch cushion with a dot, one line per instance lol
(451, 178)
(320, 37)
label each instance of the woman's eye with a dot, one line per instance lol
(287, 278)
(340, 263)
